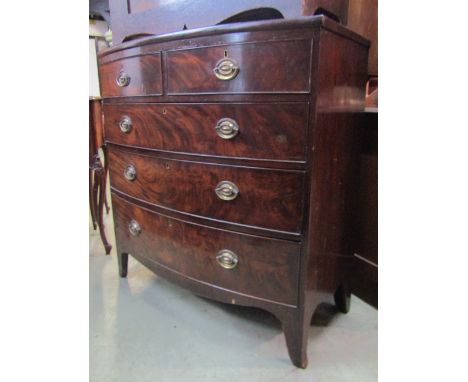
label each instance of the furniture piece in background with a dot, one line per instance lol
(362, 18)
(365, 276)
(232, 154)
(156, 17)
(97, 170)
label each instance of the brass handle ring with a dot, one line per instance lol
(123, 79)
(130, 172)
(125, 124)
(227, 128)
(226, 190)
(227, 259)
(226, 69)
(134, 228)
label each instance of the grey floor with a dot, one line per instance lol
(144, 328)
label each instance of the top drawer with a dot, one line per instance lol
(132, 76)
(263, 67)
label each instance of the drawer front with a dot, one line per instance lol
(131, 76)
(264, 67)
(270, 199)
(265, 268)
(265, 131)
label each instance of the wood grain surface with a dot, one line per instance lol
(267, 268)
(144, 71)
(267, 67)
(271, 199)
(266, 131)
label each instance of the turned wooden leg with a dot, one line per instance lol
(122, 259)
(296, 333)
(343, 298)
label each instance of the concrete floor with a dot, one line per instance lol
(144, 328)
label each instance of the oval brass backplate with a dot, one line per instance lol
(134, 228)
(227, 190)
(226, 69)
(125, 124)
(227, 128)
(227, 259)
(130, 172)
(123, 79)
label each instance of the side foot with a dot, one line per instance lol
(122, 259)
(343, 298)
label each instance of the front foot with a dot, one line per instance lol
(122, 259)
(296, 334)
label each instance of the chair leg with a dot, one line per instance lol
(106, 172)
(92, 207)
(102, 195)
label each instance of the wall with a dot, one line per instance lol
(97, 28)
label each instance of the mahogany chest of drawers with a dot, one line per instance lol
(231, 155)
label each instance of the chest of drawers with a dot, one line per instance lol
(231, 155)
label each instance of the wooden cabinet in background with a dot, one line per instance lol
(362, 18)
(156, 17)
(365, 278)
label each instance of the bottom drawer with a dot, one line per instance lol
(255, 266)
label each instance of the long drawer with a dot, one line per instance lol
(264, 131)
(251, 265)
(270, 199)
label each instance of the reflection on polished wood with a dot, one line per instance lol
(262, 218)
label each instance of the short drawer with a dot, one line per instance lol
(132, 76)
(270, 199)
(264, 131)
(262, 67)
(255, 266)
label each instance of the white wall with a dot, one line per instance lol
(96, 28)
(93, 70)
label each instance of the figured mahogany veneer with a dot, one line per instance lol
(267, 269)
(267, 67)
(290, 91)
(266, 131)
(271, 199)
(144, 74)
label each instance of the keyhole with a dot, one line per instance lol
(167, 166)
(164, 110)
(225, 53)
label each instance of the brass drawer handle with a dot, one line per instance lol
(134, 228)
(226, 69)
(123, 79)
(227, 259)
(227, 128)
(226, 190)
(125, 124)
(130, 172)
